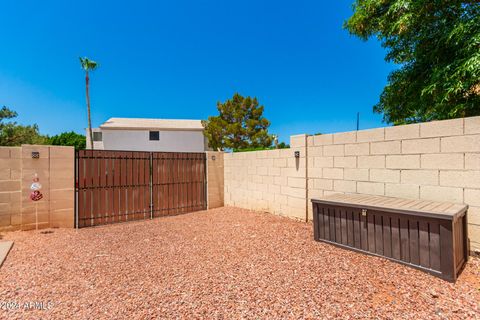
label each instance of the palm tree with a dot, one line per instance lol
(88, 65)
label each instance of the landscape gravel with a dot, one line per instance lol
(226, 263)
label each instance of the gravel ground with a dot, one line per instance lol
(224, 263)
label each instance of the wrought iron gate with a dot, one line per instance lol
(117, 186)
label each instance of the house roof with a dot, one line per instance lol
(139, 123)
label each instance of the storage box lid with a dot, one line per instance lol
(426, 208)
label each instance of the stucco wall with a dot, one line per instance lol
(55, 170)
(138, 140)
(435, 161)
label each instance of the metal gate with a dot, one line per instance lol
(118, 186)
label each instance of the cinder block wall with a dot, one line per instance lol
(434, 161)
(55, 169)
(10, 187)
(272, 181)
(215, 180)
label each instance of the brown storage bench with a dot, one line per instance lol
(431, 236)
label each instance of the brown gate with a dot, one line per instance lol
(117, 186)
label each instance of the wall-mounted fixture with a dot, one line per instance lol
(297, 154)
(213, 158)
(35, 154)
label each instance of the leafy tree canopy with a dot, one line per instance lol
(436, 43)
(68, 139)
(13, 134)
(239, 125)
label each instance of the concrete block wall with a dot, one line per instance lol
(55, 170)
(271, 180)
(10, 187)
(437, 160)
(215, 179)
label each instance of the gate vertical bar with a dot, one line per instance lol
(151, 184)
(75, 185)
(205, 181)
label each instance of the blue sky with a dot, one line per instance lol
(176, 59)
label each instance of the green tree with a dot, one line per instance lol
(13, 134)
(239, 125)
(436, 44)
(88, 65)
(68, 139)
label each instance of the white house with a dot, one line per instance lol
(131, 134)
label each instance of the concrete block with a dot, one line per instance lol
(375, 188)
(345, 162)
(408, 191)
(345, 137)
(420, 146)
(409, 131)
(357, 149)
(15, 174)
(385, 175)
(442, 161)
(371, 162)
(472, 198)
(420, 177)
(472, 125)
(293, 192)
(386, 147)
(15, 152)
(444, 194)
(299, 140)
(469, 143)
(4, 152)
(281, 199)
(333, 173)
(403, 162)
(345, 186)
(62, 194)
(315, 173)
(274, 171)
(296, 182)
(463, 179)
(474, 236)
(263, 171)
(334, 150)
(267, 180)
(441, 128)
(5, 174)
(9, 185)
(323, 184)
(371, 135)
(297, 203)
(472, 161)
(62, 152)
(356, 174)
(280, 180)
(8, 163)
(473, 213)
(323, 139)
(323, 162)
(315, 151)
